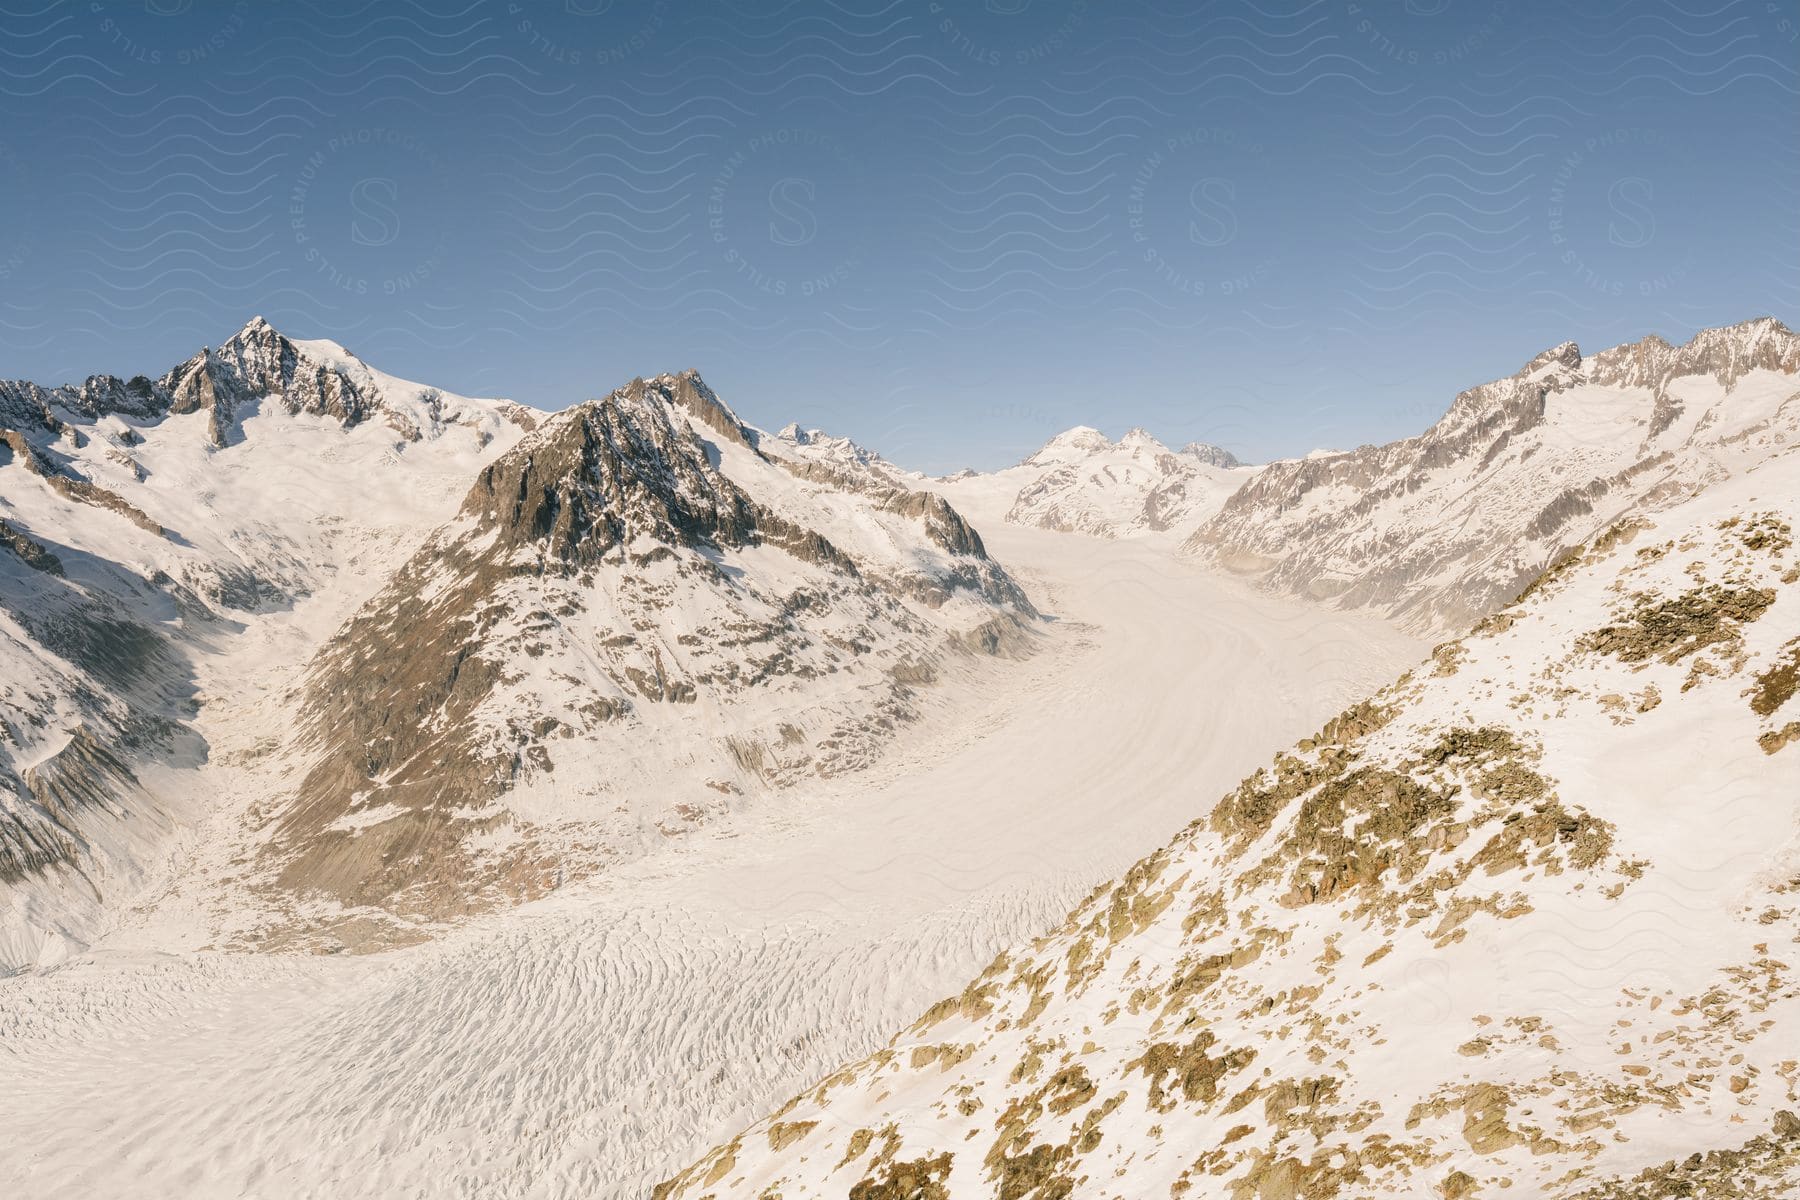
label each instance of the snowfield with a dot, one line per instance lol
(597, 1040)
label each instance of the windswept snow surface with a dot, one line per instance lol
(597, 1040)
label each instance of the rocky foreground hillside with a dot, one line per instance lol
(1526, 923)
(1440, 528)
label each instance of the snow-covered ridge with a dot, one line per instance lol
(254, 364)
(816, 445)
(1081, 481)
(1438, 529)
(1470, 939)
(167, 546)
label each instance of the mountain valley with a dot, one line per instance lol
(404, 793)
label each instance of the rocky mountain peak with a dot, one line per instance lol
(825, 448)
(1077, 442)
(1137, 437)
(613, 470)
(1726, 354)
(1565, 354)
(690, 392)
(255, 364)
(1211, 455)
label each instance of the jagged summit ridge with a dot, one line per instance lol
(1439, 528)
(257, 362)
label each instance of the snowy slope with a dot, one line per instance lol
(1081, 481)
(1523, 923)
(168, 543)
(1438, 529)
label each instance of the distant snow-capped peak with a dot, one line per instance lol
(827, 446)
(256, 364)
(1084, 441)
(1069, 445)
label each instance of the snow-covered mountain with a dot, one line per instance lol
(636, 616)
(820, 449)
(1438, 529)
(171, 541)
(1524, 923)
(340, 614)
(1081, 481)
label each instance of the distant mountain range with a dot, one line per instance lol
(433, 654)
(1436, 530)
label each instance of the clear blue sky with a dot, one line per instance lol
(947, 229)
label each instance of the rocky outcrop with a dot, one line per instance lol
(32, 553)
(1437, 530)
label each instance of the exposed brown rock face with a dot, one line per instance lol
(615, 471)
(1440, 529)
